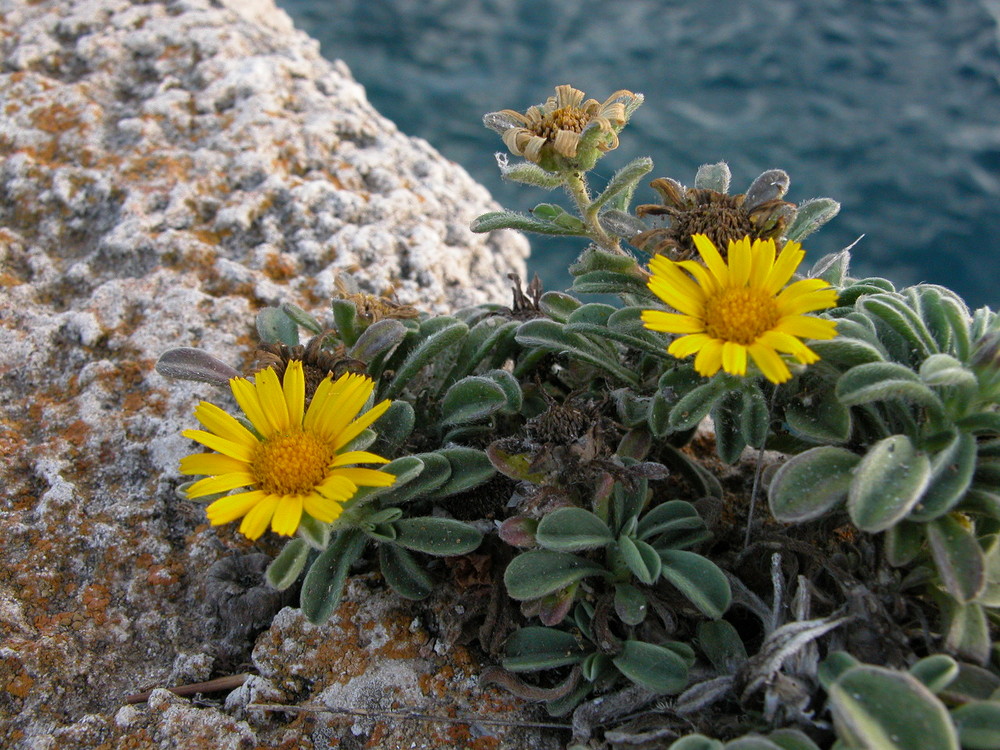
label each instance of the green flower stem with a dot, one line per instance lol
(576, 186)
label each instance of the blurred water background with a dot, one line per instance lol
(891, 107)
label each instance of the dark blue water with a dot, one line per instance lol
(891, 107)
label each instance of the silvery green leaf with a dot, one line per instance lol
(810, 215)
(726, 417)
(895, 313)
(696, 742)
(379, 338)
(887, 483)
(874, 707)
(952, 470)
(880, 381)
(621, 186)
(324, 583)
(630, 604)
(437, 536)
(782, 644)
(275, 326)
(903, 542)
(424, 354)
(500, 122)
(819, 417)
(769, 186)
(935, 671)
(530, 174)
(493, 220)
(696, 404)
(958, 558)
(301, 317)
(558, 305)
(621, 224)
(722, 644)
(669, 523)
(403, 573)
(511, 389)
(700, 580)
(470, 467)
(553, 336)
(471, 399)
(532, 575)
(653, 667)
(641, 559)
(611, 282)
(831, 268)
(285, 569)
(395, 426)
(187, 363)
(811, 484)
(978, 724)
(845, 350)
(572, 530)
(489, 340)
(435, 472)
(533, 648)
(345, 316)
(941, 370)
(713, 177)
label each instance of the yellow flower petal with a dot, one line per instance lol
(366, 477)
(321, 508)
(713, 259)
(257, 520)
(293, 385)
(246, 396)
(734, 358)
(769, 363)
(272, 399)
(211, 463)
(358, 457)
(337, 488)
(704, 278)
(788, 260)
(657, 320)
(239, 451)
(761, 262)
(333, 422)
(685, 346)
(709, 358)
(287, 515)
(228, 509)
(739, 262)
(807, 327)
(223, 424)
(360, 425)
(220, 483)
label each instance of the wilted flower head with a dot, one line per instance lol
(728, 310)
(759, 214)
(565, 132)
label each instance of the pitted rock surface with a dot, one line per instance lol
(169, 168)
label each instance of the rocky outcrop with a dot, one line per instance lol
(168, 169)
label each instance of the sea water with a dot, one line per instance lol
(891, 107)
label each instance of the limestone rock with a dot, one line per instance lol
(169, 168)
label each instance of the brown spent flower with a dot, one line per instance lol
(757, 214)
(373, 308)
(558, 125)
(317, 361)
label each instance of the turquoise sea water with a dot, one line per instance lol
(891, 107)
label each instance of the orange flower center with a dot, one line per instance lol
(740, 314)
(291, 463)
(573, 119)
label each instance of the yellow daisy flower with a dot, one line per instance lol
(293, 464)
(729, 310)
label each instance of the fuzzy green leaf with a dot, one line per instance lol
(967, 634)
(887, 483)
(699, 579)
(713, 177)
(493, 220)
(722, 644)
(435, 472)
(695, 405)
(610, 282)
(831, 268)
(558, 305)
(285, 569)
(274, 326)
(530, 174)
(810, 216)
(345, 318)
(880, 708)
(880, 381)
(533, 648)
(551, 335)
(903, 542)
(958, 558)
(534, 574)
(630, 604)
(470, 467)
(895, 313)
(653, 667)
(513, 465)
(669, 521)
(848, 351)
(623, 181)
(811, 484)
(437, 536)
(572, 530)
(187, 363)
(641, 559)
(424, 354)
(819, 417)
(978, 725)
(696, 742)
(471, 399)
(324, 583)
(403, 573)
(379, 338)
(952, 469)
(935, 671)
(395, 426)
